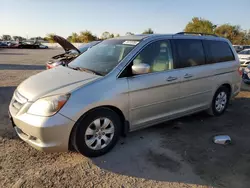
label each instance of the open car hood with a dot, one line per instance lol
(65, 44)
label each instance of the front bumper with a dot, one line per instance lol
(50, 134)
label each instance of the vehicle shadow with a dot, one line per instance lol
(183, 151)
(6, 129)
(21, 67)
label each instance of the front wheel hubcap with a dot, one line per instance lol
(221, 101)
(99, 133)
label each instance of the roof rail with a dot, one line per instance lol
(194, 33)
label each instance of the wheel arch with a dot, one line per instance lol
(227, 85)
(125, 124)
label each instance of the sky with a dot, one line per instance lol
(32, 18)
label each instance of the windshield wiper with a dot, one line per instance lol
(86, 70)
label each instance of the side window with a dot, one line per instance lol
(158, 55)
(218, 51)
(190, 52)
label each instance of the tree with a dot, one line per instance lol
(74, 37)
(148, 31)
(6, 37)
(247, 36)
(86, 36)
(199, 25)
(50, 37)
(106, 35)
(117, 35)
(129, 33)
(69, 38)
(35, 38)
(18, 38)
(232, 33)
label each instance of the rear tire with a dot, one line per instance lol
(96, 133)
(220, 101)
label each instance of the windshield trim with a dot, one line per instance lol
(86, 70)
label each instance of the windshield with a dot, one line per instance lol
(103, 57)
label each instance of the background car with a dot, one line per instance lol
(27, 45)
(3, 45)
(71, 52)
(246, 75)
(246, 47)
(244, 57)
(238, 48)
(11, 43)
(42, 46)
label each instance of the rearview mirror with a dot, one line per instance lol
(140, 68)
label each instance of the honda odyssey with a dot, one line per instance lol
(124, 84)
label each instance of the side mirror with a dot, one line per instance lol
(141, 68)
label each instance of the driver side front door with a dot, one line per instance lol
(153, 97)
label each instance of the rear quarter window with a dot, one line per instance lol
(218, 51)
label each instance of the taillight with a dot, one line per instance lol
(240, 71)
(49, 66)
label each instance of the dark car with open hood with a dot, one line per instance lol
(71, 52)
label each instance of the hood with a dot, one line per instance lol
(54, 81)
(65, 44)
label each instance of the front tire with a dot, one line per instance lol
(220, 101)
(97, 133)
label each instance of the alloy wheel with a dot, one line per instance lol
(99, 133)
(221, 101)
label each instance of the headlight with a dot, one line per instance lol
(48, 106)
(56, 63)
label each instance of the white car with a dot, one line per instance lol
(244, 57)
(238, 48)
(43, 46)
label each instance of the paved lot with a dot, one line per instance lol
(179, 153)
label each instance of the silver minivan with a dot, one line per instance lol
(121, 85)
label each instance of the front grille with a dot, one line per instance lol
(242, 62)
(18, 100)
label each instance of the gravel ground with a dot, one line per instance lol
(178, 153)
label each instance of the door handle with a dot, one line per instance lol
(171, 78)
(188, 75)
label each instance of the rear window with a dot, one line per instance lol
(190, 52)
(218, 51)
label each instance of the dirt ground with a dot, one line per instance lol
(178, 153)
